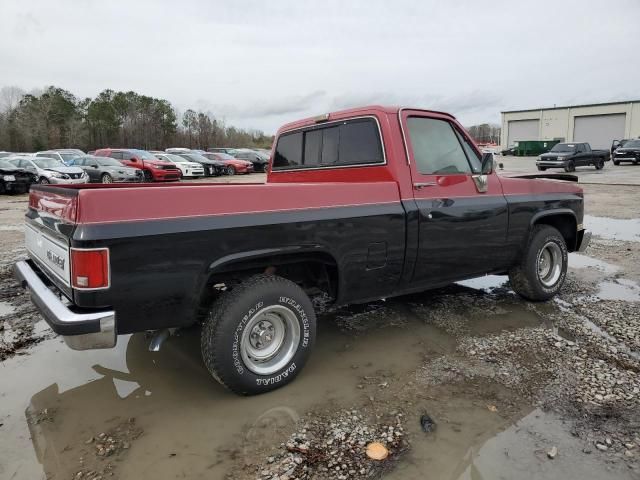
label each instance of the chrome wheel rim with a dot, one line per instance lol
(270, 340)
(230, 171)
(549, 264)
(107, 179)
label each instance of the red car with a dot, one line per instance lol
(155, 170)
(233, 165)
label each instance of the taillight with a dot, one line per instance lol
(90, 268)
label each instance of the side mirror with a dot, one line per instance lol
(134, 159)
(487, 163)
(95, 165)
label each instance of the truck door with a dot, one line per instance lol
(462, 214)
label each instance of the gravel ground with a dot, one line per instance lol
(458, 353)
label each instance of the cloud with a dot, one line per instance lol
(265, 108)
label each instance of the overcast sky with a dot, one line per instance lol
(260, 64)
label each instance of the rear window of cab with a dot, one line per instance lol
(336, 144)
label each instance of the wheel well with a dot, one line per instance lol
(316, 273)
(565, 223)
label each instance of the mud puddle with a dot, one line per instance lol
(614, 228)
(514, 447)
(57, 402)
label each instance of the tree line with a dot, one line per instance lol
(485, 133)
(55, 118)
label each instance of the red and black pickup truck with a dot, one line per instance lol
(360, 204)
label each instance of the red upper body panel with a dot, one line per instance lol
(285, 190)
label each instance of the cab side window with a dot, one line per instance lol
(436, 147)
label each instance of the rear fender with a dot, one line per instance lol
(259, 260)
(562, 219)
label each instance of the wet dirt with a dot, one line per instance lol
(503, 379)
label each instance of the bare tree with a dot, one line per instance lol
(10, 99)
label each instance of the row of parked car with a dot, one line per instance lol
(108, 165)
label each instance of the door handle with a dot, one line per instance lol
(420, 185)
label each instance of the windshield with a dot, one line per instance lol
(5, 164)
(48, 163)
(174, 158)
(69, 156)
(144, 155)
(195, 157)
(223, 156)
(632, 144)
(263, 155)
(106, 162)
(564, 147)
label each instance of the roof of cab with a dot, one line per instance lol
(352, 112)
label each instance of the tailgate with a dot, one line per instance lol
(49, 224)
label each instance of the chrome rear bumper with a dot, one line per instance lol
(80, 330)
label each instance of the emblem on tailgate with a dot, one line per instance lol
(57, 260)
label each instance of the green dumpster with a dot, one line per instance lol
(533, 148)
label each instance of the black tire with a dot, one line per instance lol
(229, 170)
(226, 331)
(525, 276)
(616, 162)
(570, 166)
(599, 164)
(147, 176)
(106, 178)
(635, 162)
(542, 169)
(44, 181)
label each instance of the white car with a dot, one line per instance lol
(50, 170)
(65, 155)
(188, 169)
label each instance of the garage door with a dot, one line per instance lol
(522, 130)
(599, 130)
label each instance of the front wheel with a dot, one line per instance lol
(616, 162)
(258, 336)
(599, 164)
(542, 169)
(106, 178)
(570, 166)
(230, 170)
(44, 181)
(541, 271)
(147, 176)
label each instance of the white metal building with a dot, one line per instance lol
(599, 124)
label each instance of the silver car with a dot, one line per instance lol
(107, 170)
(50, 170)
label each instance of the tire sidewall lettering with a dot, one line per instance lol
(237, 335)
(302, 316)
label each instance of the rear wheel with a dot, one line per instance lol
(541, 271)
(570, 166)
(106, 178)
(44, 180)
(230, 170)
(259, 335)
